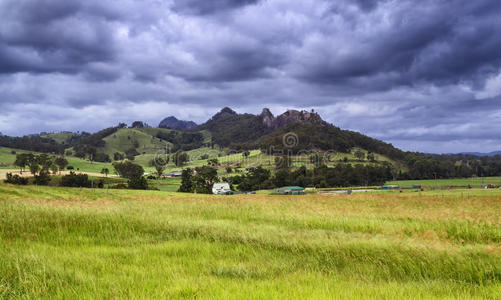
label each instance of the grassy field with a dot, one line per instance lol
(59, 243)
(7, 159)
(458, 182)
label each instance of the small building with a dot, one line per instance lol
(390, 187)
(222, 188)
(173, 174)
(290, 190)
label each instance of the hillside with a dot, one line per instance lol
(227, 134)
(307, 129)
(8, 156)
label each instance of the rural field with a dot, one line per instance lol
(60, 243)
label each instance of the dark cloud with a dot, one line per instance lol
(436, 42)
(201, 7)
(54, 36)
(426, 76)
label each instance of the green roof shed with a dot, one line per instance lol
(290, 190)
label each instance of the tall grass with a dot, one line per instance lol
(77, 243)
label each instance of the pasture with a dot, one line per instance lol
(59, 243)
(475, 182)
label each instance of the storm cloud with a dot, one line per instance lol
(424, 75)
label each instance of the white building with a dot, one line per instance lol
(221, 189)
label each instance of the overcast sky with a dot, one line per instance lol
(424, 75)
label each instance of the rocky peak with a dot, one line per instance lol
(173, 123)
(224, 113)
(268, 118)
(227, 110)
(295, 116)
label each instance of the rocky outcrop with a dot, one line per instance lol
(267, 117)
(289, 117)
(173, 123)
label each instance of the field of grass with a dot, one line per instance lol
(7, 159)
(458, 182)
(124, 139)
(59, 243)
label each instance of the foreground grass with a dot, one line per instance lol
(77, 243)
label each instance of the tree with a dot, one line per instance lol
(180, 158)
(34, 168)
(317, 159)
(54, 169)
(45, 161)
(137, 124)
(205, 179)
(256, 179)
(186, 181)
(360, 155)
(92, 152)
(61, 162)
(105, 171)
(213, 162)
(42, 178)
(22, 160)
(138, 183)
(118, 156)
(128, 169)
(283, 162)
(160, 169)
(134, 174)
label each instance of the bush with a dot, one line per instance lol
(42, 178)
(102, 157)
(138, 183)
(119, 186)
(16, 179)
(76, 180)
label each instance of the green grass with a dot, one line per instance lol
(60, 137)
(458, 182)
(7, 160)
(124, 139)
(59, 243)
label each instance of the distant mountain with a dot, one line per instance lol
(173, 123)
(482, 154)
(306, 131)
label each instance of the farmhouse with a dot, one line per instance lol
(290, 190)
(221, 189)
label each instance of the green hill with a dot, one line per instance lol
(8, 156)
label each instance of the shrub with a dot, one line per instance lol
(138, 183)
(76, 180)
(42, 178)
(16, 179)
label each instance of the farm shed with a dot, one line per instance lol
(290, 190)
(390, 187)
